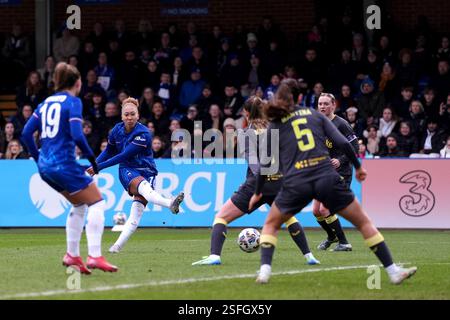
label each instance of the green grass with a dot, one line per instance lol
(30, 262)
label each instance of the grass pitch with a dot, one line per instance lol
(156, 264)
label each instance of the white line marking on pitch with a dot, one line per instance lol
(168, 282)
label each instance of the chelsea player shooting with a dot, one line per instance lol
(130, 145)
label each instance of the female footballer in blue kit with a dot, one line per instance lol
(59, 121)
(130, 145)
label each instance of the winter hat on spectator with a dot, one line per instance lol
(251, 37)
(352, 109)
(196, 69)
(229, 122)
(367, 81)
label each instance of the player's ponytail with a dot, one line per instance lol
(281, 105)
(65, 76)
(254, 106)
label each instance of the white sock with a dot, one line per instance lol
(146, 190)
(74, 229)
(215, 256)
(392, 269)
(309, 256)
(266, 269)
(137, 209)
(94, 228)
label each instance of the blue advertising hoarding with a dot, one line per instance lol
(27, 201)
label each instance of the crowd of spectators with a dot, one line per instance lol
(395, 95)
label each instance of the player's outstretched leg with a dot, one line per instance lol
(74, 229)
(331, 236)
(94, 232)
(145, 189)
(228, 213)
(376, 243)
(298, 235)
(137, 209)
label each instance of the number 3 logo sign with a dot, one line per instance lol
(421, 200)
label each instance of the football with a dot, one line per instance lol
(120, 218)
(248, 240)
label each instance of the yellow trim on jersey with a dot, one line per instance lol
(267, 238)
(292, 220)
(220, 220)
(374, 240)
(331, 219)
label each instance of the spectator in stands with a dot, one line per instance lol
(416, 117)
(176, 39)
(165, 53)
(46, 73)
(146, 103)
(274, 59)
(443, 52)
(151, 127)
(214, 120)
(166, 92)
(191, 90)
(177, 73)
(385, 50)
(388, 83)
(106, 75)
(122, 95)
(402, 103)
(273, 87)
(88, 58)
(98, 37)
(233, 101)
(17, 52)
(103, 145)
(373, 136)
(370, 67)
(370, 102)
(358, 48)
(94, 109)
(121, 34)
(433, 139)
(234, 72)
(445, 151)
(312, 98)
(407, 143)
(357, 124)
(344, 72)
(157, 147)
(115, 53)
(362, 151)
(8, 134)
(186, 52)
(192, 115)
(65, 46)
(131, 73)
(230, 149)
(32, 92)
(21, 118)
(144, 37)
(444, 114)
(73, 61)
(173, 127)
(112, 117)
(387, 122)
(206, 99)
(15, 151)
(90, 86)
(406, 69)
(159, 119)
(91, 137)
(257, 76)
(344, 100)
(152, 75)
(429, 102)
(441, 81)
(311, 69)
(391, 150)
